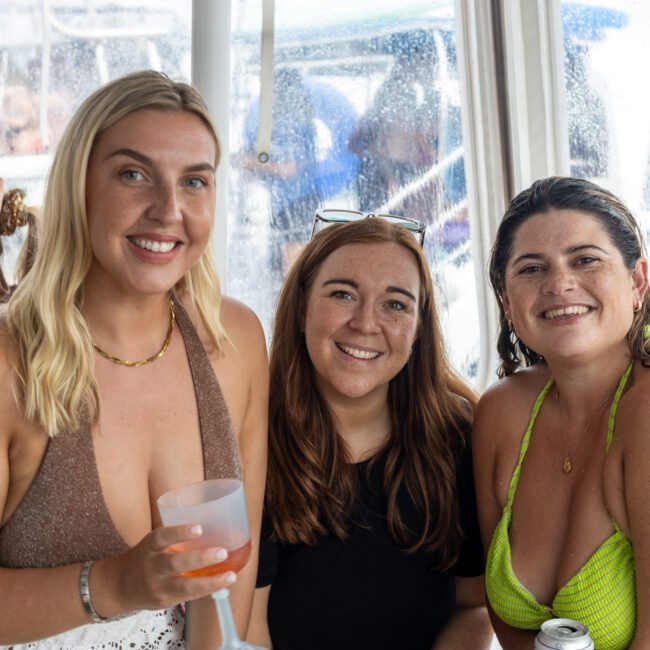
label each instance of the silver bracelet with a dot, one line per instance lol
(84, 592)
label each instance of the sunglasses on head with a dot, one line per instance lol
(333, 216)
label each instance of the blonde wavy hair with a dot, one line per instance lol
(54, 355)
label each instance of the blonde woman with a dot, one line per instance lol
(124, 374)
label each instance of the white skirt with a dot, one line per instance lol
(145, 629)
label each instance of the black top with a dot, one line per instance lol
(366, 592)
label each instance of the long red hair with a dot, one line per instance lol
(311, 484)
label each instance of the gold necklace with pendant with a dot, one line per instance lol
(567, 465)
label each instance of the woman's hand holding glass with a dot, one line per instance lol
(219, 507)
(155, 573)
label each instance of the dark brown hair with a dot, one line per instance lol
(311, 485)
(562, 193)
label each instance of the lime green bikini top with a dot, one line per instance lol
(602, 595)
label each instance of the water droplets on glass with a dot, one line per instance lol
(366, 115)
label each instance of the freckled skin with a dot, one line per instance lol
(364, 297)
(165, 190)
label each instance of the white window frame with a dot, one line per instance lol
(534, 62)
(211, 38)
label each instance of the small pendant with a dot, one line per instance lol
(566, 468)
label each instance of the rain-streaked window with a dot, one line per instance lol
(366, 115)
(608, 96)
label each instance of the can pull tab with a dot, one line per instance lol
(563, 634)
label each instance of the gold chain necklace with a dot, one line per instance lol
(567, 465)
(144, 362)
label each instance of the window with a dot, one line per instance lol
(607, 97)
(50, 61)
(366, 115)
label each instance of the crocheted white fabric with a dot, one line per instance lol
(144, 630)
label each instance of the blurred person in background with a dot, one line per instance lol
(19, 133)
(397, 138)
(288, 174)
(309, 161)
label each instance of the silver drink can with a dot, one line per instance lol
(563, 634)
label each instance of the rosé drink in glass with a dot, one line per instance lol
(219, 507)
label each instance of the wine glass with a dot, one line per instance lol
(219, 506)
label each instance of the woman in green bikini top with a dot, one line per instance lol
(560, 457)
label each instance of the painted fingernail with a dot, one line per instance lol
(230, 577)
(196, 530)
(221, 554)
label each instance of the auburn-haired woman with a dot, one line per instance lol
(561, 441)
(123, 374)
(370, 537)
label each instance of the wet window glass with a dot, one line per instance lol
(607, 97)
(53, 54)
(365, 116)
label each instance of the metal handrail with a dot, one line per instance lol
(94, 33)
(51, 22)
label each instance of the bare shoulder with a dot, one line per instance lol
(15, 429)
(501, 418)
(246, 345)
(640, 388)
(8, 407)
(241, 365)
(241, 324)
(633, 416)
(631, 433)
(10, 416)
(245, 336)
(244, 352)
(509, 400)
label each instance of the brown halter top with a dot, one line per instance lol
(63, 518)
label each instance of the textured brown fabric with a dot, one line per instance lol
(63, 518)
(220, 453)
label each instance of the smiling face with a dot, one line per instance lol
(567, 289)
(361, 319)
(150, 193)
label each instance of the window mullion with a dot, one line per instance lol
(534, 65)
(486, 161)
(211, 36)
